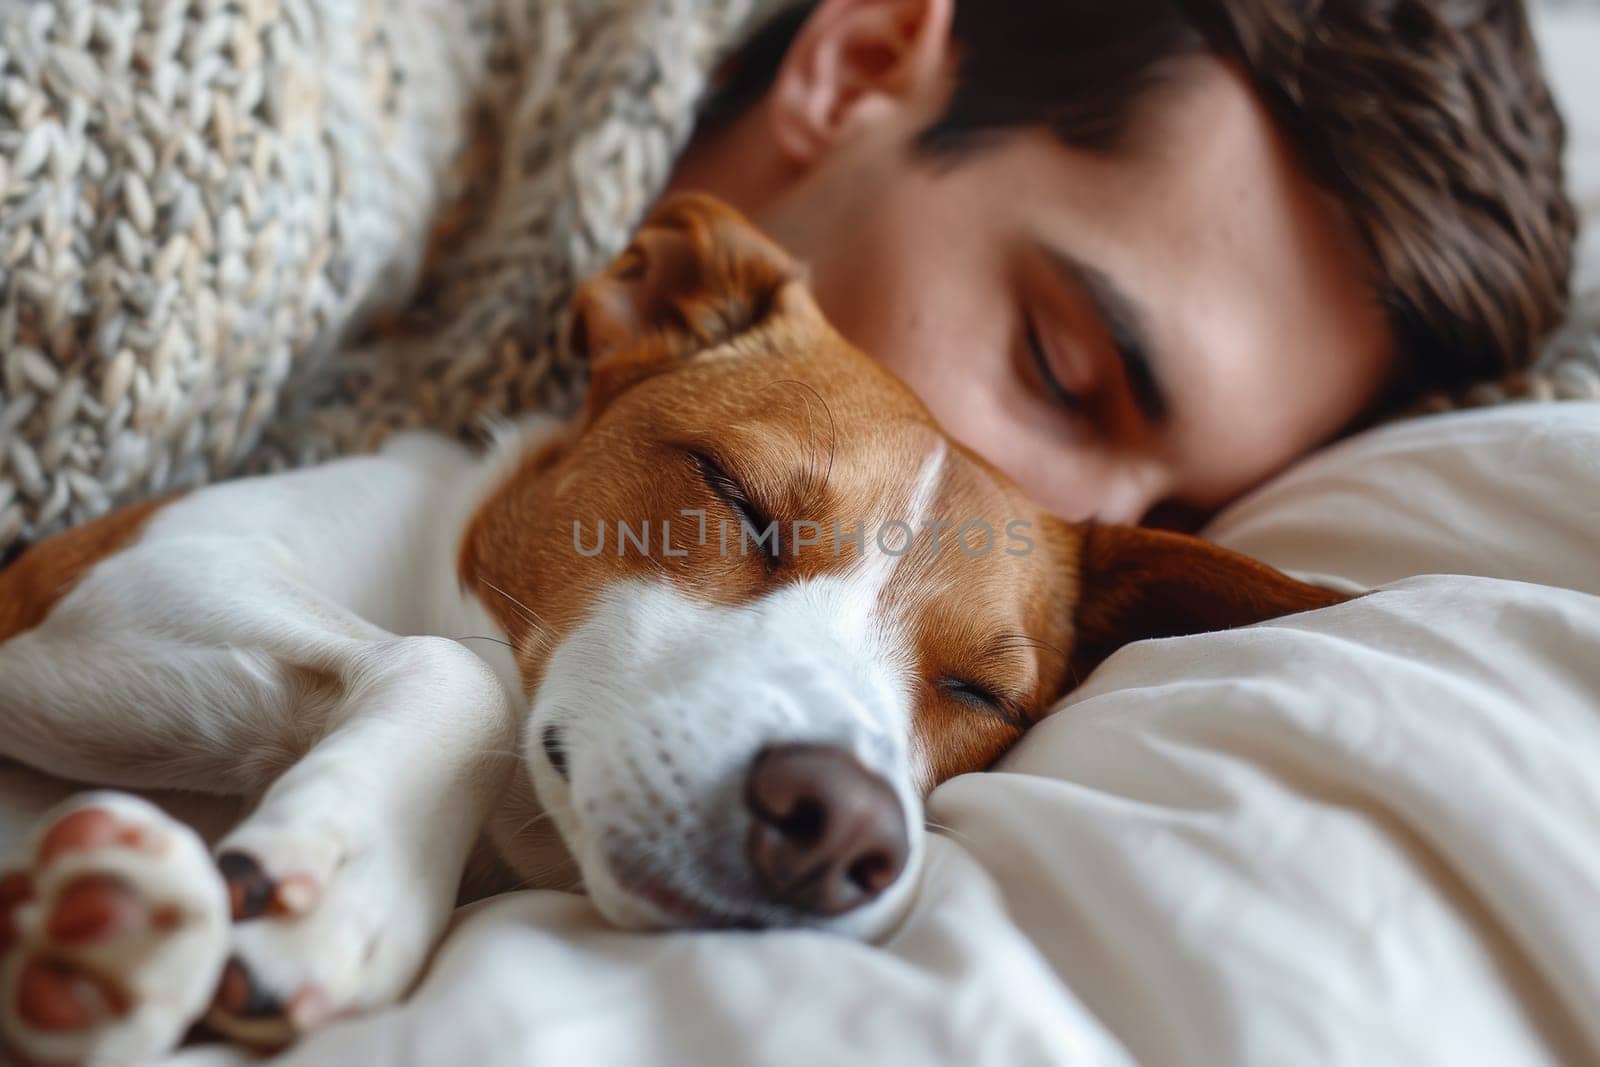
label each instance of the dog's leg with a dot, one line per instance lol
(208, 668)
(343, 878)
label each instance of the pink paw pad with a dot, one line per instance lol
(85, 829)
(111, 938)
(55, 996)
(93, 908)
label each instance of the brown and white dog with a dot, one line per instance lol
(746, 610)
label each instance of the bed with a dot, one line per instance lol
(1361, 836)
(1366, 835)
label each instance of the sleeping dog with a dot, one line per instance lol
(702, 649)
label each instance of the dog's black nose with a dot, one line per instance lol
(829, 834)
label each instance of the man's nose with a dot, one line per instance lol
(829, 835)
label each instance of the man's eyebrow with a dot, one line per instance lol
(1125, 322)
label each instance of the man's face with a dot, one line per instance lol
(1175, 319)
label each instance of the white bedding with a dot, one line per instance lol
(1368, 835)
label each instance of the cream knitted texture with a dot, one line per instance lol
(201, 201)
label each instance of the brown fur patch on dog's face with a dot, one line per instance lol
(720, 388)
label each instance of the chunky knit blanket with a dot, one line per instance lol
(239, 234)
(243, 234)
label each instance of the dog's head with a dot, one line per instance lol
(763, 604)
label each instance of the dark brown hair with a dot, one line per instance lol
(1428, 120)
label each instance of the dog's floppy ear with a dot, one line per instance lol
(696, 274)
(1135, 583)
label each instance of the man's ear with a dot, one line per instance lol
(850, 56)
(1135, 583)
(696, 274)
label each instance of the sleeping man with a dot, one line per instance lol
(1149, 253)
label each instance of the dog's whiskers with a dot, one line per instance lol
(542, 630)
(948, 831)
(813, 484)
(1007, 642)
(544, 878)
(485, 637)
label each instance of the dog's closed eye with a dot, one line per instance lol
(759, 525)
(981, 697)
(554, 751)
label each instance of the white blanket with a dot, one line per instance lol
(1367, 835)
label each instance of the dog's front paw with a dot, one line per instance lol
(326, 924)
(111, 937)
